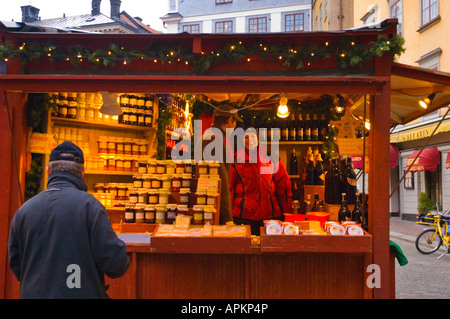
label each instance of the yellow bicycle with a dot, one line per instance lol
(431, 239)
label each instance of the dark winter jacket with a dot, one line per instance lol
(259, 196)
(61, 243)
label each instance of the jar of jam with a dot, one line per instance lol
(111, 145)
(182, 209)
(111, 163)
(188, 166)
(198, 215)
(176, 183)
(160, 213)
(122, 191)
(186, 180)
(214, 168)
(203, 168)
(171, 213)
(142, 166)
(179, 168)
(149, 214)
(134, 164)
(102, 142)
(166, 181)
(127, 163)
(153, 196)
(113, 189)
(161, 167)
(127, 146)
(119, 163)
(120, 145)
(170, 167)
(148, 118)
(147, 181)
(133, 195)
(208, 214)
(129, 213)
(143, 147)
(72, 110)
(201, 197)
(211, 197)
(163, 196)
(156, 181)
(81, 111)
(151, 167)
(184, 196)
(139, 213)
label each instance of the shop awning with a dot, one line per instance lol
(428, 160)
(357, 160)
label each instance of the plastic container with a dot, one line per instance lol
(294, 217)
(322, 217)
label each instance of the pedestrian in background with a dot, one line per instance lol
(61, 243)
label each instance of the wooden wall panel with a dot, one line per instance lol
(178, 276)
(306, 276)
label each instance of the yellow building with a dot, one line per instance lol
(423, 24)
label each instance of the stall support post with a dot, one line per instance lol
(379, 180)
(12, 183)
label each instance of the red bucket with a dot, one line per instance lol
(322, 217)
(293, 217)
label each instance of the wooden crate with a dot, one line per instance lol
(314, 189)
(203, 245)
(315, 243)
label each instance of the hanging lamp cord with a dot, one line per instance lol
(13, 148)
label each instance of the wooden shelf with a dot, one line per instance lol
(104, 172)
(296, 142)
(99, 124)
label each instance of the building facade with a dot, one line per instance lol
(238, 16)
(95, 21)
(422, 23)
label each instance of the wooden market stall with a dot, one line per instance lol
(241, 267)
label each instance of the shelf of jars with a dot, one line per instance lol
(112, 123)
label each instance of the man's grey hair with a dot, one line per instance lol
(65, 166)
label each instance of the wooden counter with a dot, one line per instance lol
(325, 267)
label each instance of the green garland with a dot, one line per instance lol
(348, 51)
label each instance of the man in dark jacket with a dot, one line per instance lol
(61, 242)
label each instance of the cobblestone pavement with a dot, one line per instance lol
(425, 276)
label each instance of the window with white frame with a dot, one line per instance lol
(191, 28)
(429, 11)
(257, 25)
(224, 27)
(396, 12)
(294, 22)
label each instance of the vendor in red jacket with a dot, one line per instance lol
(260, 187)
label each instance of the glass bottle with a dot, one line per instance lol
(292, 128)
(315, 128)
(357, 214)
(293, 167)
(307, 128)
(344, 213)
(299, 132)
(350, 182)
(315, 207)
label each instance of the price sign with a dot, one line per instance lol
(41, 143)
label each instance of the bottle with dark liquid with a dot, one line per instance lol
(299, 132)
(307, 128)
(315, 207)
(319, 173)
(292, 128)
(357, 214)
(295, 194)
(293, 165)
(285, 130)
(344, 213)
(310, 170)
(315, 128)
(350, 182)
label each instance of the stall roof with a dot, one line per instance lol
(408, 83)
